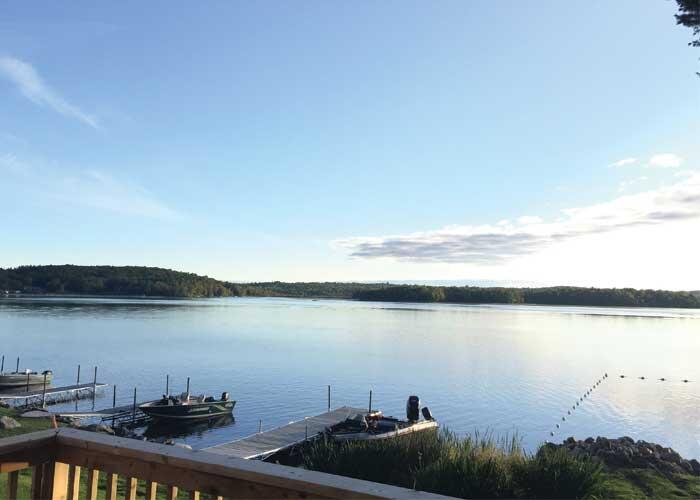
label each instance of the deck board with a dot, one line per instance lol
(268, 442)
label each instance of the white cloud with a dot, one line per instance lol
(86, 188)
(529, 219)
(31, 85)
(665, 160)
(490, 244)
(623, 162)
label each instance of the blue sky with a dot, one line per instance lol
(354, 141)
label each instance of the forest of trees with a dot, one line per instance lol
(560, 295)
(157, 282)
(111, 280)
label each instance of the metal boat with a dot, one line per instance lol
(27, 377)
(187, 407)
(374, 426)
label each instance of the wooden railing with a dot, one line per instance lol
(65, 463)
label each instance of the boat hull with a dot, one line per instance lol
(192, 411)
(21, 379)
(369, 436)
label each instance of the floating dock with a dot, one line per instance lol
(50, 394)
(264, 444)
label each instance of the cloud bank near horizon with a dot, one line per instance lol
(26, 78)
(494, 244)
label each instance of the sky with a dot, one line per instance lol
(549, 142)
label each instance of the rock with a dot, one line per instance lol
(4, 404)
(183, 445)
(695, 465)
(102, 428)
(9, 423)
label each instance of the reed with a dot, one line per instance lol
(477, 466)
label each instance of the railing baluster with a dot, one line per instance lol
(73, 482)
(130, 486)
(172, 492)
(37, 479)
(93, 478)
(12, 483)
(151, 490)
(111, 487)
(55, 483)
(194, 495)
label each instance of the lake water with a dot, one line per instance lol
(506, 369)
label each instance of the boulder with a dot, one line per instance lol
(102, 428)
(9, 423)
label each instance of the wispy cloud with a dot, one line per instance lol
(32, 86)
(665, 160)
(494, 244)
(623, 162)
(94, 189)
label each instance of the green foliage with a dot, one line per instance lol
(472, 467)
(561, 295)
(110, 280)
(326, 290)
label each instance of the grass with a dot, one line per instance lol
(481, 466)
(28, 424)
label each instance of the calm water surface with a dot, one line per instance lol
(501, 368)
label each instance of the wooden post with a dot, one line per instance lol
(111, 487)
(194, 495)
(2, 364)
(77, 380)
(58, 484)
(151, 490)
(329, 398)
(27, 382)
(17, 368)
(93, 480)
(260, 426)
(114, 396)
(43, 393)
(130, 486)
(167, 384)
(73, 482)
(172, 492)
(188, 388)
(370, 401)
(12, 484)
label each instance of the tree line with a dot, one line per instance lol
(559, 295)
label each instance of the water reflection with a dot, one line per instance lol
(163, 429)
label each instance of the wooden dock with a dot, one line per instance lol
(264, 444)
(50, 394)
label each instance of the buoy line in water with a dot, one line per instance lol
(662, 379)
(579, 401)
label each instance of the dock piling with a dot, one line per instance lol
(260, 426)
(329, 398)
(94, 387)
(114, 396)
(369, 409)
(133, 411)
(77, 380)
(188, 388)
(43, 393)
(17, 369)
(2, 364)
(27, 381)
(167, 384)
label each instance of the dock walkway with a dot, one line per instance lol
(264, 444)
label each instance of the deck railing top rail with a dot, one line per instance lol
(56, 458)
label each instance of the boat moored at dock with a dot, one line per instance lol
(187, 407)
(27, 377)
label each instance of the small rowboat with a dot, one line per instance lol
(188, 408)
(375, 426)
(27, 377)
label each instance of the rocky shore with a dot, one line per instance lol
(625, 452)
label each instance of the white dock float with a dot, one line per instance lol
(264, 444)
(50, 392)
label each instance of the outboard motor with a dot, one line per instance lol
(224, 396)
(413, 408)
(426, 413)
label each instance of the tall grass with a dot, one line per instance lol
(478, 466)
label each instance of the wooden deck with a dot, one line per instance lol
(37, 391)
(264, 444)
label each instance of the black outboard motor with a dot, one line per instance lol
(224, 396)
(426, 413)
(413, 408)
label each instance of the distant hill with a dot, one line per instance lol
(113, 280)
